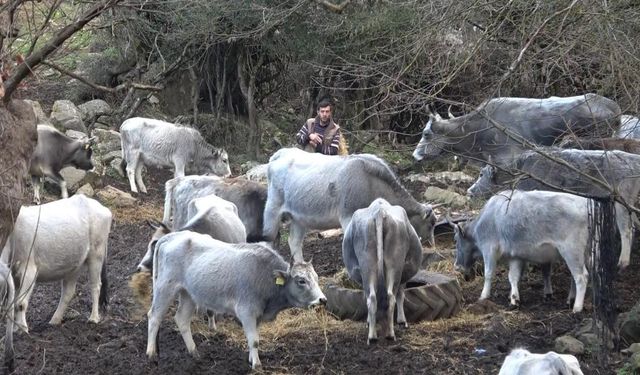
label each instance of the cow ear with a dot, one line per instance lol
(280, 277)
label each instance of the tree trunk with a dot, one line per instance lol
(18, 138)
(247, 76)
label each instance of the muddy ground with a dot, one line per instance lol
(298, 341)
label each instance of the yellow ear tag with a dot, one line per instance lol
(280, 280)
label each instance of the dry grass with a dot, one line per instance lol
(138, 213)
(140, 285)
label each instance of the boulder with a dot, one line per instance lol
(114, 197)
(73, 177)
(437, 195)
(87, 190)
(632, 349)
(568, 345)
(107, 158)
(41, 118)
(114, 170)
(65, 115)
(94, 109)
(590, 337)
(106, 141)
(456, 181)
(628, 325)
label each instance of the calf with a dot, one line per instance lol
(163, 144)
(53, 152)
(382, 251)
(250, 281)
(537, 226)
(55, 241)
(207, 215)
(249, 197)
(523, 362)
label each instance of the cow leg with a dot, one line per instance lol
(581, 278)
(546, 275)
(296, 236)
(391, 298)
(36, 184)
(138, 176)
(515, 272)
(402, 320)
(68, 291)
(8, 341)
(163, 295)
(623, 220)
(250, 327)
(27, 281)
(489, 268)
(95, 281)
(183, 317)
(132, 165)
(572, 292)
(57, 177)
(272, 215)
(178, 168)
(211, 318)
(372, 309)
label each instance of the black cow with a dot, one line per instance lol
(53, 152)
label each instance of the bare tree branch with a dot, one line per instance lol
(336, 8)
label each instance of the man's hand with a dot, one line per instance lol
(314, 139)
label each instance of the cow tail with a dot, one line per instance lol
(103, 299)
(168, 200)
(9, 303)
(381, 294)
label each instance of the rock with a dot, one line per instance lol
(437, 195)
(629, 325)
(330, 233)
(93, 178)
(94, 109)
(107, 158)
(456, 181)
(591, 340)
(257, 173)
(114, 170)
(75, 134)
(73, 177)
(87, 190)
(569, 345)
(41, 118)
(65, 115)
(106, 141)
(114, 197)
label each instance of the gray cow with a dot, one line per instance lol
(210, 215)
(541, 227)
(248, 196)
(322, 192)
(163, 144)
(249, 281)
(55, 242)
(540, 121)
(382, 251)
(53, 152)
(620, 170)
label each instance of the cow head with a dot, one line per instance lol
(466, 249)
(161, 229)
(428, 147)
(81, 157)
(217, 163)
(424, 223)
(486, 184)
(300, 284)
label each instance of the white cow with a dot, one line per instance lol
(7, 297)
(163, 144)
(541, 227)
(249, 281)
(55, 241)
(523, 362)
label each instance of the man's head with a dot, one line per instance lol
(324, 110)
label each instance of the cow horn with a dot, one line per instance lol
(155, 224)
(92, 139)
(451, 116)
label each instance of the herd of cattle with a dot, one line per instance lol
(213, 246)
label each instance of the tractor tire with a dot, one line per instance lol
(429, 296)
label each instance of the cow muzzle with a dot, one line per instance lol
(322, 300)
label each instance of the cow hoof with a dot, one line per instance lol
(153, 358)
(548, 297)
(513, 307)
(371, 340)
(391, 338)
(195, 354)
(94, 320)
(55, 321)
(403, 324)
